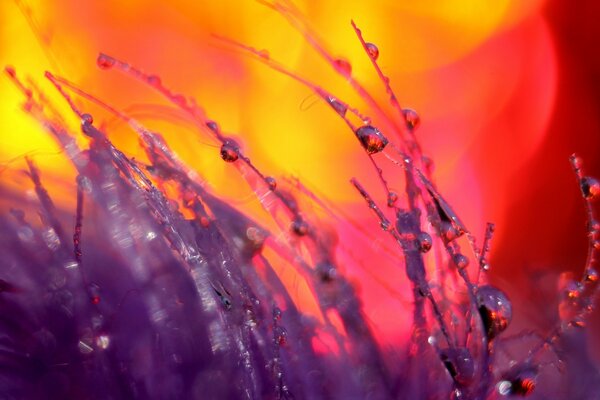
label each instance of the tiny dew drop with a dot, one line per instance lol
(590, 187)
(299, 227)
(412, 118)
(448, 231)
(385, 225)
(372, 50)
(460, 261)
(105, 62)
(521, 381)
(280, 335)
(343, 66)
(495, 310)
(271, 182)
(87, 119)
(425, 242)
(337, 105)
(276, 313)
(213, 126)
(392, 198)
(591, 275)
(153, 80)
(371, 139)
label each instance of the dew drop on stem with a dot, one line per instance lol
(300, 227)
(424, 241)
(272, 182)
(392, 198)
(372, 50)
(495, 310)
(371, 139)
(337, 105)
(412, 118)
(229, 152)
(105, 62)
(460, 260)
(87, 119)
(343, 66)
(590, 187)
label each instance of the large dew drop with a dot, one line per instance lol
(371, 139)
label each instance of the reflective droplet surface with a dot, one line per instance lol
(521, 381)
(337, 105)
(448, 231)
(495, 310)
(412, 118)
(371, 139)
(229, 152)
(271, 182)
(460, 364)
(590, 187)
(392, 198)
(299, 227)
(105, 62)
(87, 119)
(153, 80)
(425, 242)
(372, 50)
(460, 260)
(325, 272)
(591, 275)
(343, 66)
(213, 126)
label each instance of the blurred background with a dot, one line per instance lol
(506, 91)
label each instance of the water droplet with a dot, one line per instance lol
(153, 80)
(460, 260)
(87, 119)
(425, 242)
(573, 289)
(591, 275)
(272, 182)
(448, 231)
(590, 187)
(371, 139)
(326, 272)
(213, 126)
(276, 313)
(385, 225)
(105, 62)
(372, 50)
(299, 227)
(412, 118)
(337, 105)
(460, 364)
(519, 382)
(495, 310)
(392, 198)
(180, 100)
(343, 66)
(229, 152)
(280, 335)
(576, 161)
(264, 54)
